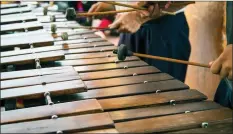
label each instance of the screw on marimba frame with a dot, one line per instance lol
(157, 91)
(59, 132)
(204, 124)
(187, 112)
(48, 99)
(125, 67)
(172, 102)
(116, 61)
(25, 29)
(134, 74)
(54, 117)
(38, 66)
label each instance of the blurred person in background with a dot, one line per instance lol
(164, 35)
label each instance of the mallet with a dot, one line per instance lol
(71, 13)
(64, 35)
(136, 7)
(54, 28)
(122, 52)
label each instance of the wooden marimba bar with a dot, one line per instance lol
(85, 87)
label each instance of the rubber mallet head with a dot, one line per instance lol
(122, 52)
(53, 28)
(52, 18)
(45, 10)
(64, 36)
(70, 14)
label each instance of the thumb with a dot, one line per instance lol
(211, 63)
(115, 24)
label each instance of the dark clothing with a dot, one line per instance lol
(223, 94)
(167, 36)
(229, 22)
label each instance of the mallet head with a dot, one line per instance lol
(122, 52)
(45, 10)
(70, 14)
(53, 28)
(64, 36)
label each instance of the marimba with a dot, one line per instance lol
(52, 85)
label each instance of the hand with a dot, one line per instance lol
(101, 7)
(223, 64)
(128, 22)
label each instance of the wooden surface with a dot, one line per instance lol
(37, 80)
(82, 62)
(35, 72)
(75, 32)
(37, 91)
(151, 99)
(66, 124)
(15, 10)
(89, 50)
(155, 111)
(102, 131)
(33, 25)
(75, 37)
(109, 66)
(13, 5)
(126, 90)
(174, 122)
(59, 47)
(17, 18)
(30, 58)
(118, 73)
(40, 38)
(126, 80)
(45, 112)
(224, 127)
(90, 55)
(76, 41)
(46, 19)
(135, 89)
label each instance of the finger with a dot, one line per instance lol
(168, 4)
(210, 64)
(216, 67)
(223, 73)
(91, 10)
(93, 7)
(97, 9)
(115, 25)
(230, 75)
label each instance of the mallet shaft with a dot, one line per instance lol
(171, 60)
(85, 27)
(104, 13)
(135, 7)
